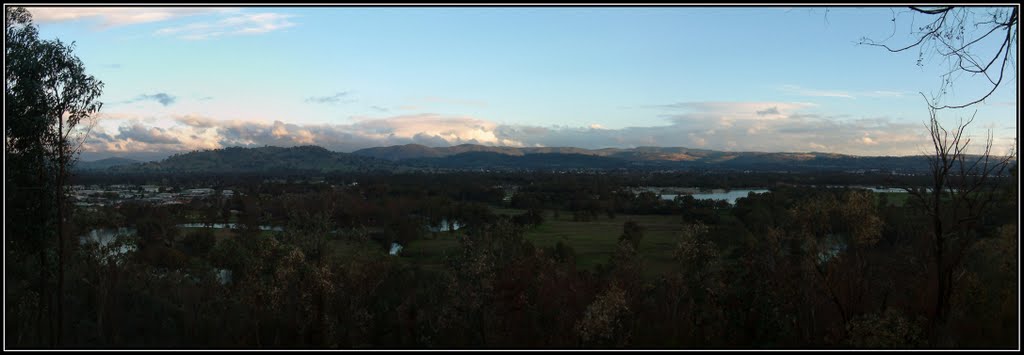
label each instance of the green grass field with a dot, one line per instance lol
(219, 234)
(897, 199)
(594, 241)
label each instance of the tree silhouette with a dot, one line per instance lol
(968, 42)
(976, 42)
(48, 97)
(964, 189)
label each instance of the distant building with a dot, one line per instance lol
(224, 276)
(151, 188)
(199, 192)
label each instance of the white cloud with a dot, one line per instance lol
(792, 129)
(455, 130)
(802, 91)
(189, 132)
(242, 24)
(117, 16)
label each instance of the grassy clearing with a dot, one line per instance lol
(897, 199)
(219, 234)
(344, 250)
(593, 241)
(430, 251)
(507, 211)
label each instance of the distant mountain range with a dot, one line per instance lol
(103, 164)
(263, 159)
(469, 156)
(475, 157)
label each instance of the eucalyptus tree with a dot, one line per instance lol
(50, 106)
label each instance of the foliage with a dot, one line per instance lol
(604, 323)
(887, 330)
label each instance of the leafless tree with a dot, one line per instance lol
(979, 43)
(965, 38)
(964, 187)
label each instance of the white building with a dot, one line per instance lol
(199, 192)
(395, 249)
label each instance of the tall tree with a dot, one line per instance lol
(972, 42)
(49, 100)
(964, 189)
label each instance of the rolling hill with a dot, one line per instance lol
(475, 157)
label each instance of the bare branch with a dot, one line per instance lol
(946, 37)
(933, 11)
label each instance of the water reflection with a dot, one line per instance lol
(227, 226)
(729, 196)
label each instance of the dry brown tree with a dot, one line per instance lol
(964, 188)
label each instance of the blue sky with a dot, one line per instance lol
(726, 78)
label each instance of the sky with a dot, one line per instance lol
(768, 79)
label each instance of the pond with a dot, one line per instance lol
(227, 226)
(874, 189)
(729, 196)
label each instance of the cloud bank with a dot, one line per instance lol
(226, 22)
(738, 126)
(116, 16)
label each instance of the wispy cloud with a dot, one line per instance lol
(802, 91)
(794, 89)
(333, 99)
(243, 24)
(884, 93)
(117, 16)
(163, 98)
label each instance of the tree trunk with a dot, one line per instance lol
(61, 161)
(940, 270)
(44, 300)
